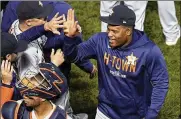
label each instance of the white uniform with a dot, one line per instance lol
(32, 56)
(167, 14)
(105, 8)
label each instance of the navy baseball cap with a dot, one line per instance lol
(33, 9)
(9, 44)
(120, 15)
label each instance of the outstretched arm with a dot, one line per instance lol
(35, 32)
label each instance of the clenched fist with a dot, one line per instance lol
(57, 58)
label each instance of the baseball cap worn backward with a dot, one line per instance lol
(33, 9)
(9, 44)
(120, 15)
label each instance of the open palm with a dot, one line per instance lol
(71, 27)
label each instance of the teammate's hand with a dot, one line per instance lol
(94, 72)
(71, 27)
(57, 58)
(6, 72)
(54, 24)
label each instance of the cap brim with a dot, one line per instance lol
(21, 46)
(108, 21)
(48, 9)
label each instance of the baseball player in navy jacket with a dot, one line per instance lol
(132, 74)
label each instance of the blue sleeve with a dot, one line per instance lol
(84, 50)
(159, 78)
(9, 15)
(32, 33)
(84, 64)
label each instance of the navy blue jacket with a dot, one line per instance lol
(54, 41)
(133, 81)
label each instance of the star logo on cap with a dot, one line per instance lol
(124, 22)
(40, 3)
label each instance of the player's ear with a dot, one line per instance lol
(8, 57)
(28, 22)
(43, 99)
(128, 31)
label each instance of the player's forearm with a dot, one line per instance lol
(70, 49)
(6, 93)
(32, 33)
(85, 65)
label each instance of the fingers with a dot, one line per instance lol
(79, 28)
(60, 17)
(59, 22)
(6, 65)
(64, 17)
(58, 26)
(52, 53)
(56, 15)
(9, 66)
(72, 15)
(58, 51)
(68, 15)
(12, 69)
(2, 65)
(56, 32)
(76, 24)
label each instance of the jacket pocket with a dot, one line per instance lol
(120, 105)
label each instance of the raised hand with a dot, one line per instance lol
(71, 27)
(6, 72)
(54, 24)
(57, 58)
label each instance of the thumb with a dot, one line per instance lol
(56, 32)
(58, 51)
(52, 53)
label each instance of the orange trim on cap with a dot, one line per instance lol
(44, 92)
(54, 83)
(53, 73)
(37, 90)
(24, 90)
